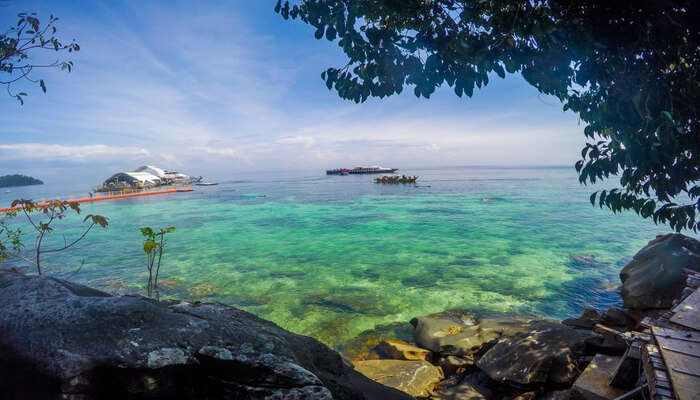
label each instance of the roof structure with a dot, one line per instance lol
(151, 170)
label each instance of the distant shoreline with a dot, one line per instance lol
(18, 180)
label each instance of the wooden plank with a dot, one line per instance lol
(655, 371)
(687, 336)
(688, 312)
(682, 360)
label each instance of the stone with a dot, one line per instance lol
(463, 391)
(400, 350)
(654, 276)
(460, 334)
(587, 320)
(525, 396)
(616, 316)
(416, 378)
(451, 364)
(545, 353)
(64, 340)
(593, 382)
(556, 395)
(591, 314)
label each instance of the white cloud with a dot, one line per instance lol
(226, 152)
(70, 153)
(303, 140)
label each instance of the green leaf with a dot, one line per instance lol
(319, 33)
(148, 246)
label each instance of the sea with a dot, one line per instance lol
(338, 257)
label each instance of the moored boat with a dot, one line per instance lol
(361, 170)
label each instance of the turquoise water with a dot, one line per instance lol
(334, 256)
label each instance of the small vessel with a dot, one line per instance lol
(396, 179)
(361, 170)
(206, 183)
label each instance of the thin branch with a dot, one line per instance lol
(72, 244)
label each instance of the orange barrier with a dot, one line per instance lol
(118, 196)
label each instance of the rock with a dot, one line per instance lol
(543, 354)
(655, 276)
(584, 261)
(463, 391)
(556, 395)
(64, 340)
(591, 314)
(525, 396)
(417, 378)
(589, 317)
(460, 334)
(451, 364)
(593, 382)
(362, 346)
(400, 350)
(616, 316)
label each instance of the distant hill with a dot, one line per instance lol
(18, 180)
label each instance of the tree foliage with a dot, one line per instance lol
(630, 70)
(18, 180)
(10, 239)
(20, 43)
(54, 210)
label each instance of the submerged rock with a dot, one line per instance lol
(417, 378)
(459, 334)
(544, 353)
(655, 276)
(64, 339)
(202, 290)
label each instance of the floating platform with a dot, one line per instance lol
(113, 197)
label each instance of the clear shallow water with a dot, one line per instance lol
(334, 256)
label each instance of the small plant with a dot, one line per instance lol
(153, 246)
(10, 239)
(52, 211)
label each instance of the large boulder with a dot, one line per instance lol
(460, 334)
(417, 378)
(60, 339)
(655, 276)
(545, 353)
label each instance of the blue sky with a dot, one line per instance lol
(221, 88)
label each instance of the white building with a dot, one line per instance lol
(145, 176)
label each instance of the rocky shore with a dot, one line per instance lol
(63, 340)
(457, 355)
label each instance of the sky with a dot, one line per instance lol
(223, 88)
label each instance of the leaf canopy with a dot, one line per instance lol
(630, 70)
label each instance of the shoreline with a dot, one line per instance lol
(451, 353)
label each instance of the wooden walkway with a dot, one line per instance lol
(679, 346)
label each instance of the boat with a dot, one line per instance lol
(396, 179)
(361, 170)
(206, 183)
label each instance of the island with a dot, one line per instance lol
(18, 180)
